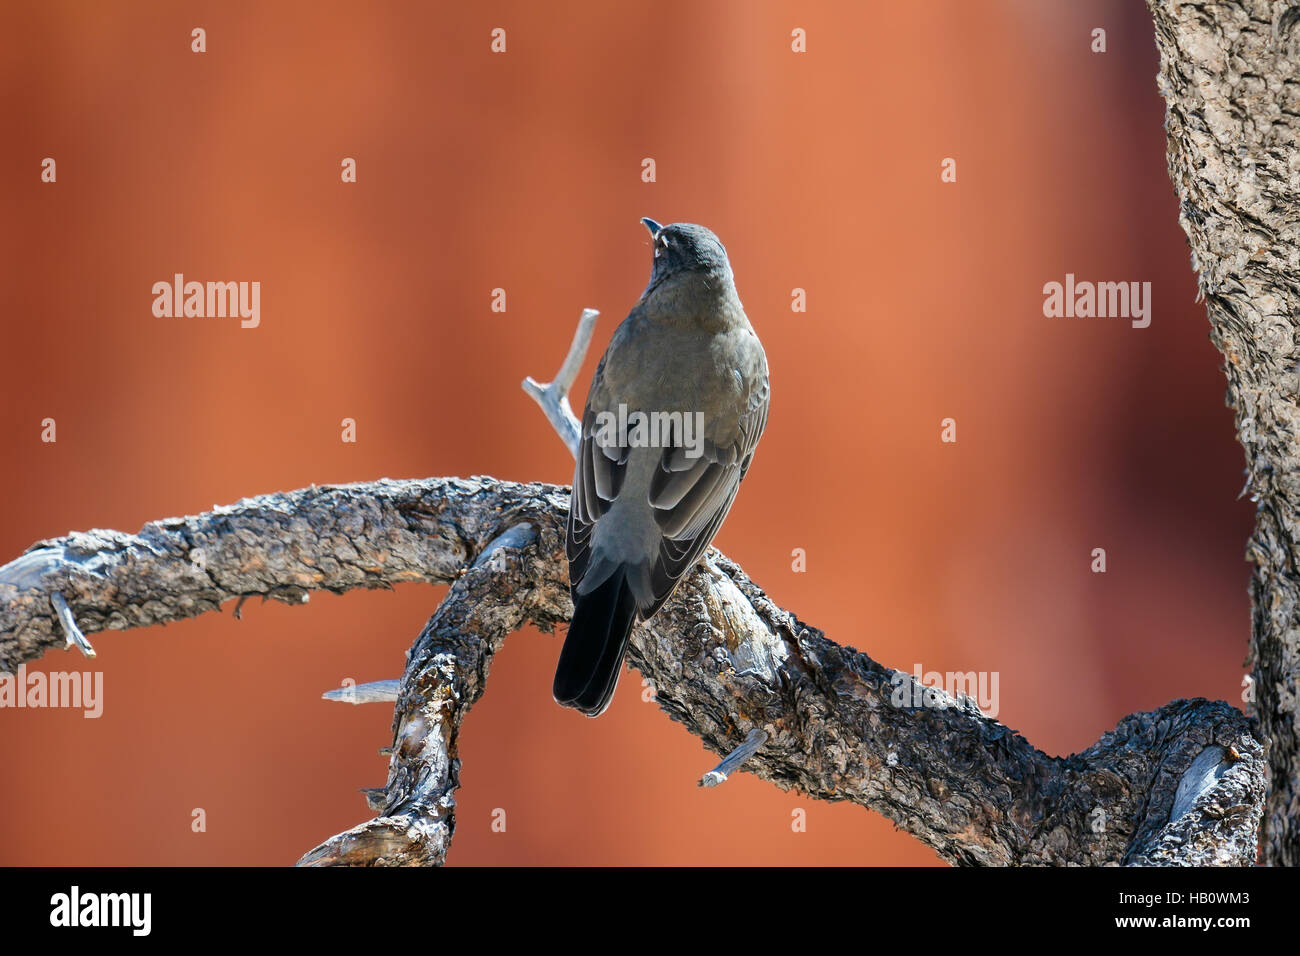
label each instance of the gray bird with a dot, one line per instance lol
(676, 408)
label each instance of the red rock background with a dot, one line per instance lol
(522, 171)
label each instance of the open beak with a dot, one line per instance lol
(653, 226)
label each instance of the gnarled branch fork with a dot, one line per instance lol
(1182, 785)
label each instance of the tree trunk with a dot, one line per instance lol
(1230, 76)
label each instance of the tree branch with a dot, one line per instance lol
(445, 675)
(724, 658)
(554, 397)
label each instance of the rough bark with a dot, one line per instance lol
(1230, 76)
(446, 674)
(1183, 784)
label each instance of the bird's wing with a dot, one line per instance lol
(597, 479)
(691, 496)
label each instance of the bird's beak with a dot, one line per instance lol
(653, 226)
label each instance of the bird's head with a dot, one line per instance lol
(684, 247)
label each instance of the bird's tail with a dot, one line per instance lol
(592, 657)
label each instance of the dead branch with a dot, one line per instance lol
(1183, 784)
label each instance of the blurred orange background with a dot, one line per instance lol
(522, 171)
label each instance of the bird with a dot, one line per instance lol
(673, 415)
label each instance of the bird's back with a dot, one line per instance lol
(675, 410)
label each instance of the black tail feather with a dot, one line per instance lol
(592, 657)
